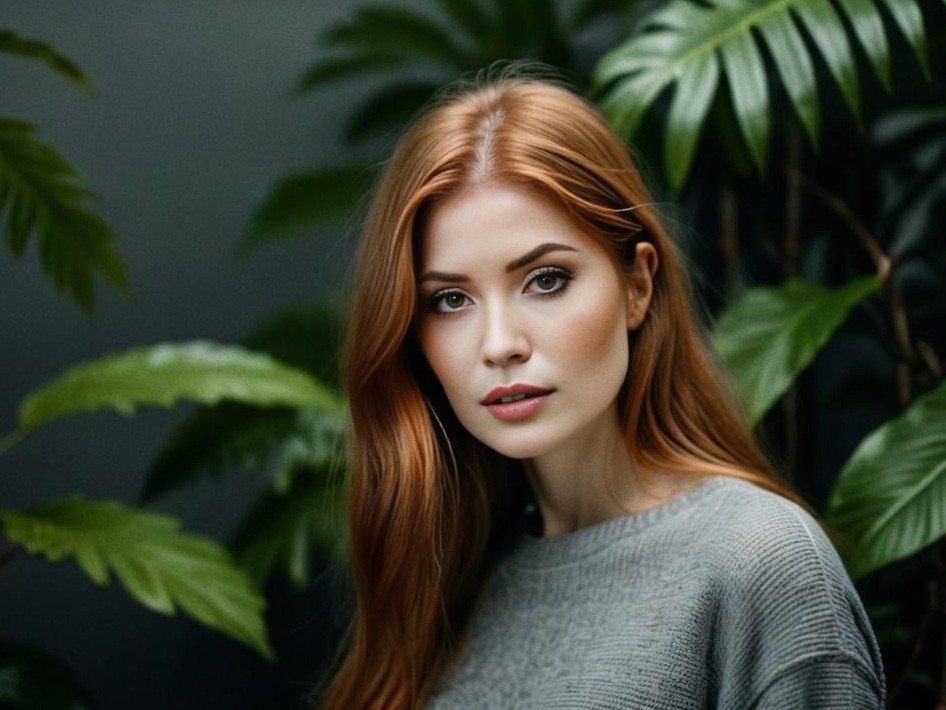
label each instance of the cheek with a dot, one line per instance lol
(443, 356)
(594, 337)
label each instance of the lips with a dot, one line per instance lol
(498, 393)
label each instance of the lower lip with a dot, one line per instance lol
(519, 409)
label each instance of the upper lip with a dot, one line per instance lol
(499, 392)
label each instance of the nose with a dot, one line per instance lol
(504, 336)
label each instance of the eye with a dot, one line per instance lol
(546, 277)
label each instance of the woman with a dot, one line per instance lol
(610, 537)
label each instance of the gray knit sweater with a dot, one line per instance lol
(727, 596)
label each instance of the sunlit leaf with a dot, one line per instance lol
(160, 375)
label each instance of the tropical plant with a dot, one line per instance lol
(851, 244)
(40, 195)
(160, 566)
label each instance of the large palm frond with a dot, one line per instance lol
(693, 45)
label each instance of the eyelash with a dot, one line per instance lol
(559, 272)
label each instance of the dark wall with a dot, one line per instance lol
(190, 127)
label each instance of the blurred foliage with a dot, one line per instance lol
(40, 194)
(806, 243)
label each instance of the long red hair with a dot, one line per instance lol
(430, 507)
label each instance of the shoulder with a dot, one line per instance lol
(764, 532)
(785, 595)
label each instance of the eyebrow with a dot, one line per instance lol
(523, 260)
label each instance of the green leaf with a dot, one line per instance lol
(768, 335)
(159, 566)
(869, 28)
(31, 679)
(906, 13)
(304, 336)
(678, 38)
(161, 374)
(691, 103)
(332, 69)
(10, 43)
(470, 17)
(388, 109)
(39, 194)
(305, 201)
(888, 498)
(281, 532)
(397, 30)
(587, 11)
(216, 440)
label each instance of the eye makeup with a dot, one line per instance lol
(557, 272)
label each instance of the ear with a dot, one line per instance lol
(640, 284)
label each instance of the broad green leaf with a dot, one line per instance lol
(10, 43)
(159, 566)
(31, 679)
(40, 195)
(216, 440)
(677, 38)
(888, 498)
(305, 201)
(282, 531)
(160, 375)
(768, 335)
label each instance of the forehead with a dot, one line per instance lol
(496, 218)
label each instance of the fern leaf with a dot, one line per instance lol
(11, 43)
(39, 195)
(158, 565)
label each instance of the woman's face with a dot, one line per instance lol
(494, 316)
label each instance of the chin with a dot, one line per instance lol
(516, 444)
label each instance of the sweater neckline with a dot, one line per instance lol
(530, 552)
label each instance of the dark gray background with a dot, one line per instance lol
(190, 127)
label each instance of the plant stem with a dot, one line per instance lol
(791, 251)
(11, 439)
(729, 238)
(884, 266)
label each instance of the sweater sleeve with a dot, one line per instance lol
(792, 631)
(822, 681)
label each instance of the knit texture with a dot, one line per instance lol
(727, 596)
